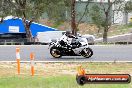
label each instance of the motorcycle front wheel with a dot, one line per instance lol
(55, 52)
(87, 53)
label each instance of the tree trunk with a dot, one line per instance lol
(26, 23)
(29, 34)
(1, 20)
(73, 21)
(106, 27)
(105, 35)
(27, 29)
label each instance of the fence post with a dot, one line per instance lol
(5, 42)
(32, 63)
(18, 59)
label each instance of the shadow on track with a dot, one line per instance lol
(72, 58)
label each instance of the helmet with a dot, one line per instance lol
(68, 33)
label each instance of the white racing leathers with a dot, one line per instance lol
(66, 39)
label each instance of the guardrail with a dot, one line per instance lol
(22, 41)
(113, 43)
(13, 41)
(118, 39)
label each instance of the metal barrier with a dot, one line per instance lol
(115, 43)
(22, 41)
(13, 41)
(118, 39)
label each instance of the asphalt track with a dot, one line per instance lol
(101, 53)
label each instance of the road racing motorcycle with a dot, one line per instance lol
(78, 47)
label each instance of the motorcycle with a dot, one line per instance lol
(78, 47)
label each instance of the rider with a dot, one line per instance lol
(67, 37)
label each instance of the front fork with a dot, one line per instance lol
(84, 49)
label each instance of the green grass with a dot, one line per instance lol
(66, 81)
(44, 75)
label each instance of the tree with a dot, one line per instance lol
(105, 15)
(128, 9)
(4, 10)
(34, 9)
(96, 16)
(74, 23)
(27, 9)
(128, 6)
(73, 16)
(85, 13)
(56, 9)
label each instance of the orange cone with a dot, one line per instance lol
(18, 59)
(32, 63)
(81, 71)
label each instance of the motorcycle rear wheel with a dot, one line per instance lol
(88, 54)
(55, 52)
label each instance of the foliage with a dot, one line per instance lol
(102, 16)
(128, 6)
(35, 8)
(97, 16)
(4, 10)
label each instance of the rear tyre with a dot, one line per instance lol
(55, 52)
(88, 53)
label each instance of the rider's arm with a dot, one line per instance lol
(64, 38)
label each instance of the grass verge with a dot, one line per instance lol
(59, 75)
(66, 81)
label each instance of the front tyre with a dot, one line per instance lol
(87, 53)
(55, 52)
